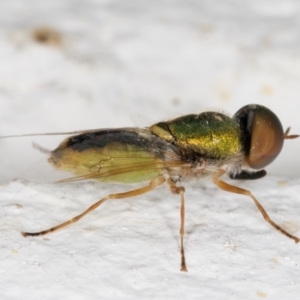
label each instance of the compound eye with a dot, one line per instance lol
(263, 135)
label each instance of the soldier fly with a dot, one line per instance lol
(192, 146)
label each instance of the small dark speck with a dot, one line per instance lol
(47, 36)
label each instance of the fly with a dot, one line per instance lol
(192, 146)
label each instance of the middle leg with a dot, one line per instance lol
(180, 191)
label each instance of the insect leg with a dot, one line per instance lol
(180, 191)
(233, 189)
(159, 180)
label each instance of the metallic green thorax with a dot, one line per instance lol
(209, 134)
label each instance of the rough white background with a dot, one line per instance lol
(159, 59)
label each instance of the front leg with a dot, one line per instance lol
(233, 189)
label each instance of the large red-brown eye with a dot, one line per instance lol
(262, 135)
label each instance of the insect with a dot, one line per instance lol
(191, 146)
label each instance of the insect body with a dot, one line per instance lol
(188, 147)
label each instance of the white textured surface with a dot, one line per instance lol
(159, 59)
